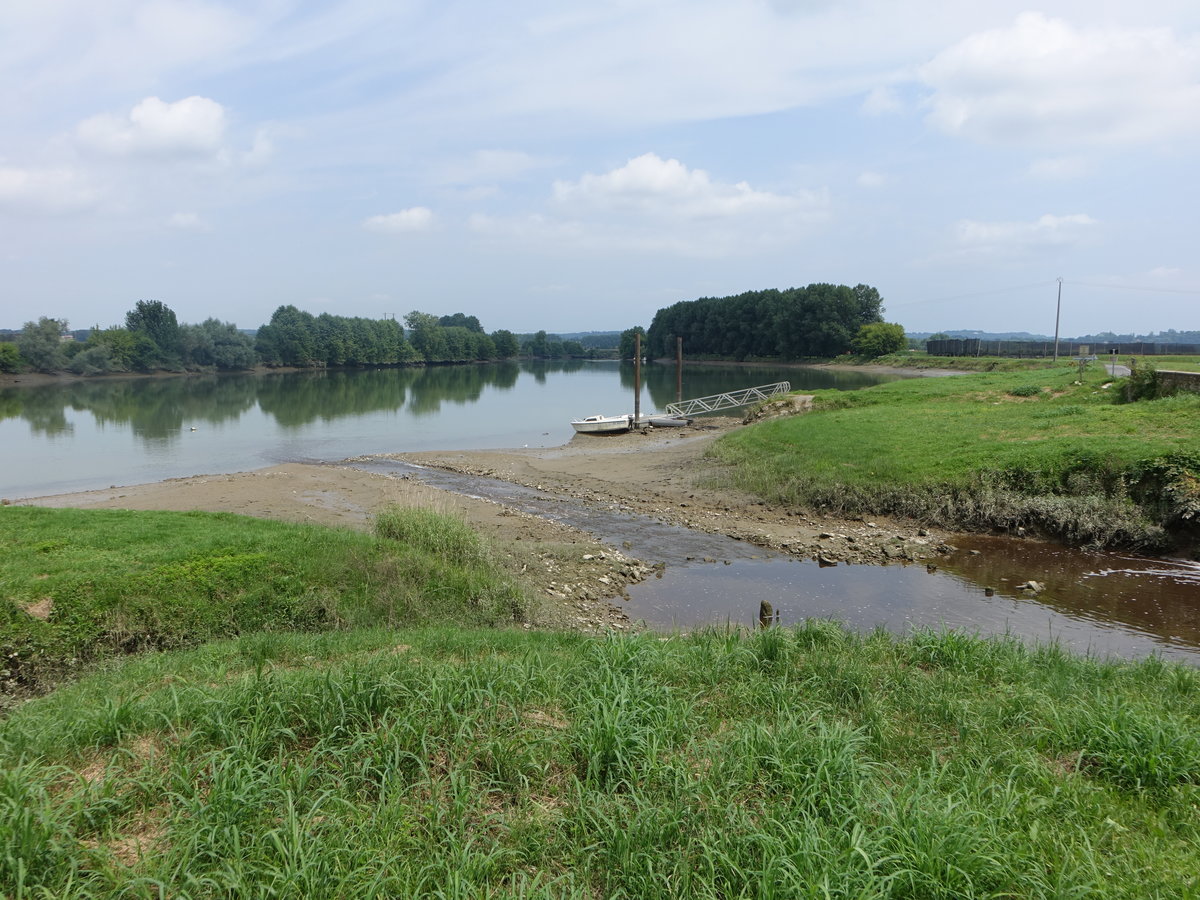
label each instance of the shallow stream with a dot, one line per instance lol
(1100, 603)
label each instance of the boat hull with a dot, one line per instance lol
(602, 424)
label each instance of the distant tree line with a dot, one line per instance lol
(152, 339)
(820, 320)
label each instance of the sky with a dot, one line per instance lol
(568, 166)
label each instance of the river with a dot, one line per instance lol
(91, 434)
(95, 433)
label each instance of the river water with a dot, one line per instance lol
(99, 433)
(1105, 604)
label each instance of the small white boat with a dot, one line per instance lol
(602, 424)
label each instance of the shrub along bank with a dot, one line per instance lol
(1038, 450)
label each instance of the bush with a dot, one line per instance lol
(1025, 390)
(1144, 383)
(91, 361)
(879, 339)
(10, 358)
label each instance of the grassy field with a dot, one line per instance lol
(919, 359)
(1179, 363)
(1033, 449)
(82, 585)
(452, 762)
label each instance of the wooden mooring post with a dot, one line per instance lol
(678, 369)
(637, 378)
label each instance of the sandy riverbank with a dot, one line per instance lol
(663, 473)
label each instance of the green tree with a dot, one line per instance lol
(40, 344)
(217, 344)
(289, 339)
(157, 321)
(427, 336)
(538, 346)
(459, 320)
(625, 348)
(10, 358)
(506, 344)
(879, 339)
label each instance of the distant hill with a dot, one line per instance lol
(591, 340)
(1170, 336)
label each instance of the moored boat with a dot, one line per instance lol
(665, 421)
(602, 424)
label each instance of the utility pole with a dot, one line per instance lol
(1057, 313)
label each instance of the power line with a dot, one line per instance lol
(1127, 287)
(1003, 290)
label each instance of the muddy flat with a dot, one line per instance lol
(662, 473)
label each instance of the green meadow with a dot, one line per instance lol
(465, 762)
(1040, 449)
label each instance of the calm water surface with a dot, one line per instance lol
(98, 433)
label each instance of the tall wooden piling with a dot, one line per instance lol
(637, 378)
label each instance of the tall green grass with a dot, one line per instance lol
(807, 762)
(1035, 450)
(82, 585)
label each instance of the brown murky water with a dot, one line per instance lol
(1106, 604)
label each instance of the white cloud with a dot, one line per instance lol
(1165, 272)
(416, 218)
(491, 166)
(1044, 81)
(186, 221)
(1005, 238)
(261, 150)
(882, 101)
(45, 191)
(652, 205)
(192, 127)
(1060, 168)
(650, 185)
(871, 180)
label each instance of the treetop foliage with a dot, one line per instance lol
(817, 320)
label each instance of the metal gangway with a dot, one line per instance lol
(727, 401)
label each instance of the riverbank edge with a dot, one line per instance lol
(36, 379)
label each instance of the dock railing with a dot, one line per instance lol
(727, 400)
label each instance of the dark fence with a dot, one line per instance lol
(1068, 349)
